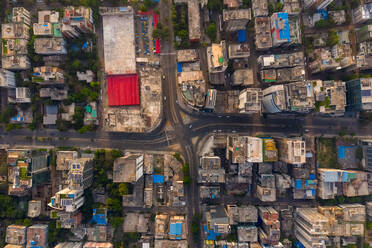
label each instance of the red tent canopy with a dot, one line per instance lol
(123, 90)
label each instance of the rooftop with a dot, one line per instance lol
(170, 243)
(282, 60)
(243, 77)
(250, 100)
(37, 235)
(54, 93)
(49, 46)
(263, 35)
(126, 168)
(69, 245)
(330, 97)
(16, 62)
(217, 57)
(187, 55)
(118, 40)
(48, 16)
(134, 222)
(210, 162)
(193, 11)
(14, 31)
(63, 158)
(236, 14)
(260, 8)
(44, 29)
(237, 51)
(123, 90)
(301, 96)
(16, 234)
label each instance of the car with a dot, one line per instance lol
(163, 76)
(165, 98)
(190, 126)
(219, 116)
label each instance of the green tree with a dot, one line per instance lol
(116, 154)
(123, 189)
(142, 8)
(278, 7)
(78, 117)
(113, 204)
(333, 38)
(215, 5)
(76, 64)
(247, 4)
(186, 174)
(359, 153)
(116, 221)
(212, 31)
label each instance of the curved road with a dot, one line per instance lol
(173, 131)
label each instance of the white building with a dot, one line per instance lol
(254, 146)
(67, 200)
(292, 150)
(7, 78)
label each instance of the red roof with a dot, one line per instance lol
(123, 90)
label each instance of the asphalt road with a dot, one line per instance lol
(173, 131)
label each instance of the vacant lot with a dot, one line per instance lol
(327, 153)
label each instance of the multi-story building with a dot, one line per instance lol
(300, 97)
(281, 60)
(48, 75)
(250, 101)
(19, 95)
(7, 78)
(319, 4)
(236, 19)
(37, 236)
(81, 173)
(359, 95)
(260, 8)
(269, 232)
(292, 150)
(239, 51)
(311, 228)
(50, 46)
(263, 40)
(16, 235)
(217, 220)
(242, 214)
(21, 15)
(193, 11)
(16, 62)
(14, 41)
(362, 13)
(280, 32)
(254, 150)
(274, 99)
(68, 200)
(217, 62)
(128, 169)
(364, 33)
(77, 20)
(330, 97)
(48, 24)
(367, 154)
(210, 170)
(349, 183)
